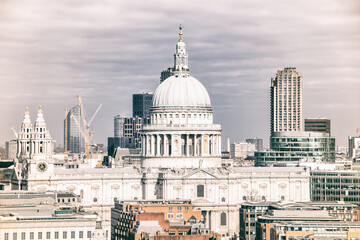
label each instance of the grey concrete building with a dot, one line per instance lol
(258, 142)
(286, 101)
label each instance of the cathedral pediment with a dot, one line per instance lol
(200, 174)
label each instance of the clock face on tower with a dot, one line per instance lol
(42, 166)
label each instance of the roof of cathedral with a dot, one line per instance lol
(181, 90)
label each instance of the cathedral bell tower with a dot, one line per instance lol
(23, 141)
(41, 143)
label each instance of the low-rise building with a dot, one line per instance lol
(337, 185)
(158, 219)
(39, 217)
(251, 211)
(293, 147)
(266, 227)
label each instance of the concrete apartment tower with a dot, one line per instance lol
(286, 101)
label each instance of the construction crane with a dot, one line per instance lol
(87, 138)
(101, 161)
(84, 129)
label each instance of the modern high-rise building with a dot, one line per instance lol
(126, 133)
(317, 125)
(354, 147)
(141, 104)
(119, 126)
(75, 141)
(258, 142)
(286, 101)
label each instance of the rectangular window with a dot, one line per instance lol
(179, 208)
(48, 234)
(23, 236)
(81, 234)
(14, 236)
(6, 236)
(64, 235)
(72, 234)
(32, 235)
(172, 233)
(56, 235)
(186, 208)
(170, 208)
(89, 234)
(170, 215)
(179, 216)
(39, 235)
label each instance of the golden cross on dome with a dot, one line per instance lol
(180, 34)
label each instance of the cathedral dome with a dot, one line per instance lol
(181, 90)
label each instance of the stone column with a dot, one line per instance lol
(202, 145)
(158, 145)
(187, 145)
(166, 149)
(212, 144)
(219, 136)
(195, 144)
(152, 145)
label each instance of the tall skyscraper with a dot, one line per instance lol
(74, 138)
(119, 126)
(141, 104)
(286, 101)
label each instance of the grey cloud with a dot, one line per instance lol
(107, 50)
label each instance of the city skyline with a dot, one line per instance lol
(109, 60)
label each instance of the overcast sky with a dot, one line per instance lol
(52, 51)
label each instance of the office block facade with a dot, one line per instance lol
(318, 125)
(141, 104)
(286, 101)
(354, 147)
(295, 147)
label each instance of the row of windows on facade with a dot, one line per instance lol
(45, 235)
(207, 116)
(64, 200)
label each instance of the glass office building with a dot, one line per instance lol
(75, 142)
(294, 147)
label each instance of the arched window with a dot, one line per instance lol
(223, 219)
(200, 190)
(244, 198)
(223, 199)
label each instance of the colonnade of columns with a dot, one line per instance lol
(189, 145)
